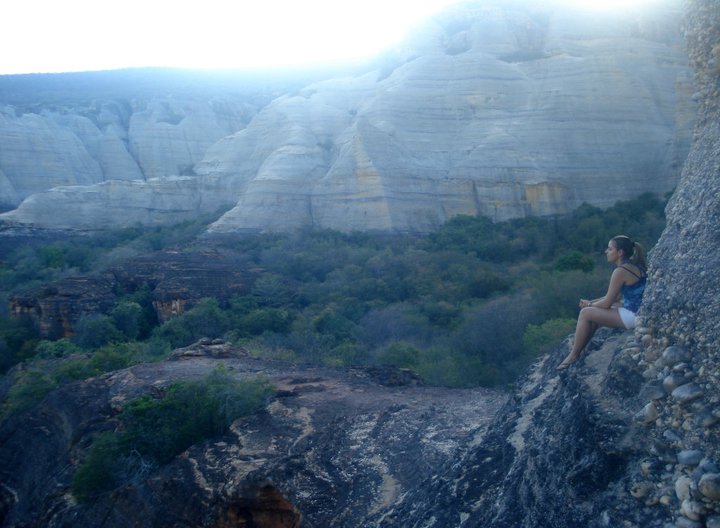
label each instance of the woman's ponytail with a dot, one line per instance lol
(638, 256)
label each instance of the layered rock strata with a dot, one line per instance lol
(505, 112)
(176, 280)
(109, 141)
(498, 109)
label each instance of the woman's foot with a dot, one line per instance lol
(572, 358)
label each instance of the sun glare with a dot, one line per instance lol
(86, 34)
(609, 5)
(76, 35)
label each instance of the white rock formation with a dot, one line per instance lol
(85, 145)
(36, 153)
(117, 203)
(490, 109)
(516, 114)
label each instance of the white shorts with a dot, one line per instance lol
(627, 317)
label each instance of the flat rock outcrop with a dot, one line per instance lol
(498, 109)
(330, 449)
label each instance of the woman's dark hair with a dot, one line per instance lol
(632, 250)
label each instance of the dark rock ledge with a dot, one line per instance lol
(331, 449)
(628, 437)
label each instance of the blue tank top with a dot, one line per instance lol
(632, 294)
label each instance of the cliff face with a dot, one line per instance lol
(493, 108)
(177, 281)
(85, 144)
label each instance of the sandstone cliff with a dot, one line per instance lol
(176, 281)
(492, 108)
(80, 129)
(109, 141)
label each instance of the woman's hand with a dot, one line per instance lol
(584, 303)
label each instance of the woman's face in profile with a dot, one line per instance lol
(611, 252)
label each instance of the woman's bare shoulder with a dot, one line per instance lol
(630, 272)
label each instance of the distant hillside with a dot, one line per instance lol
(29, 92)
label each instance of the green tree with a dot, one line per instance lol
(52, 257)
(205, 319)
(399, 354)
(93, 331)
(18, 339)
(128, 317)
(30, 387)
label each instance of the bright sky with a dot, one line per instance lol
(78, 35)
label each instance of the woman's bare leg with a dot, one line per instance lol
(589, 320)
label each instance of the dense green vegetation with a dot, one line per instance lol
(152, 431)
(471, 304)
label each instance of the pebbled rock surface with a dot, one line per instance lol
(493, 108)
(330, 449)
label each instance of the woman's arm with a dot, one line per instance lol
(613, 292)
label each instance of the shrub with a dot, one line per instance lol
(446, 367)
(160, 429)
(30, 387)
(263, 320)
(205, 319)
(56, 349)
(489, 338)
(98, 471)
(346, 354)
(51, 257)
(17, 341)
(330, 322)
(574, 260)
(128, 317)
(403, 355)
(105, 359)
(270, 290)
(441, 313)
(556, 294)
(397, 322)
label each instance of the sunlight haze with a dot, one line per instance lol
(79, 35)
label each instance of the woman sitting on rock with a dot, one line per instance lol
(627, 281)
